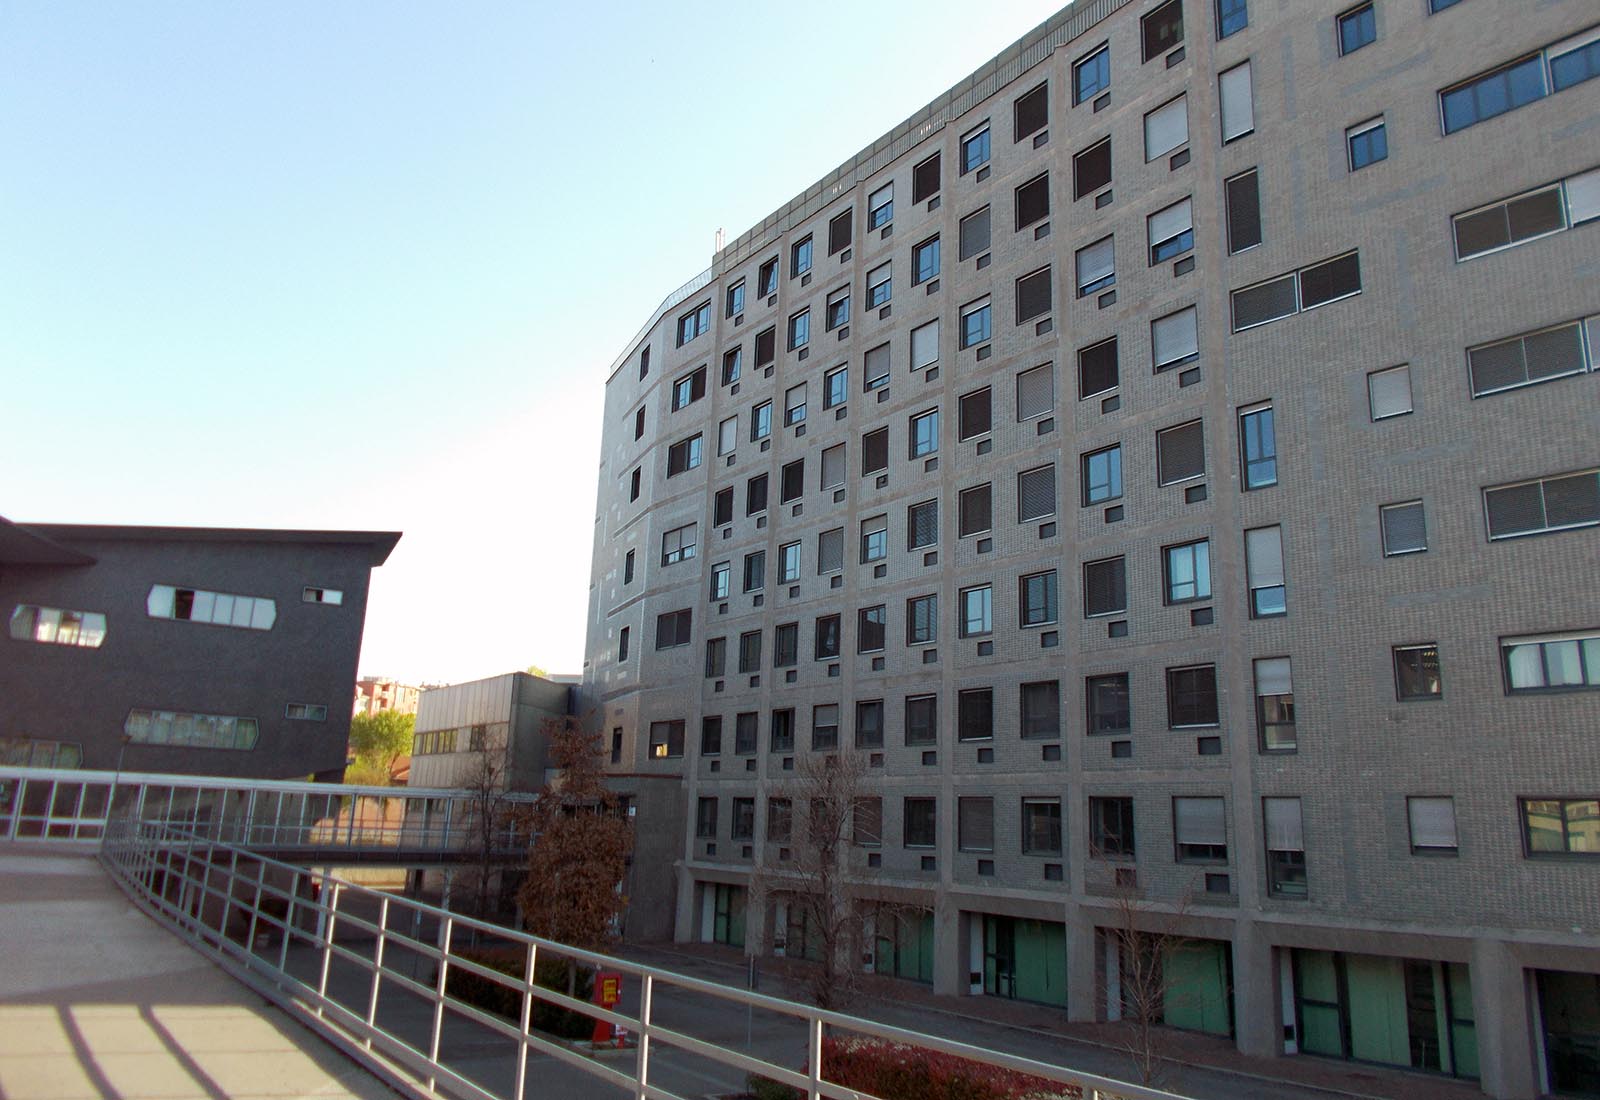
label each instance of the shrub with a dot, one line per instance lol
(491, 996)
(897, 1072)
(765, 1088)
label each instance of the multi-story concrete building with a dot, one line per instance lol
(378, 693)
(211, 651)
(1170, 458)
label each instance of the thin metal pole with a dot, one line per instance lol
(814, 1057)
(329, 917)
(446, 928)
(288, 921)
(527, 1022)
(377, 970)
(641, 1072)
(255, 908)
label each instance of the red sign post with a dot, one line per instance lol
(607, 992)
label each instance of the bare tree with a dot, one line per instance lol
(486, 780)
(573, 889)
(1146, 936)
(816, 820)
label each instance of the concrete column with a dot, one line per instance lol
(1258, 1023)
(686, 913)
(1500, 1003)
(1082, 1002)
(949, 948)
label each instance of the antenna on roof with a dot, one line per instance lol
(722, 239)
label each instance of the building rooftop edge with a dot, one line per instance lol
(382, 542)
(1023, 54)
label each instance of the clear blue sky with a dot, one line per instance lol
(365, 265)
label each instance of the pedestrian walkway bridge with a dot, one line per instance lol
(295, 821)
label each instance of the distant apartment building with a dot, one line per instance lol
(377, 693)
(1171, 458)
(209, 651)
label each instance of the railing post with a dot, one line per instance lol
(288, 921)
(330, 916)
(814, 1056)
(527, 1022)
(227, 902)
(446, 928)
(255, 908)
(377, 971)
(641, 1071)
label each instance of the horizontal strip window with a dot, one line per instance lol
(54, 626)
(331, 596)
(1297, 291)
(306, 712)
(218, 608)
(37, 752)
(1541, 212)
(1518, 83)
(1551, 662)
(1559, 502)
(1561, 826)
(1533, 357)
(190, 731)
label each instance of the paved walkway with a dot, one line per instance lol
(98, 1002)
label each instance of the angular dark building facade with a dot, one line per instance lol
(191, 650)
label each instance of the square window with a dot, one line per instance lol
(767, 280)
(1416, 673)
(880, 206)
(1258, 447)
(1171, 232)
(1033, 201)
(975, 714)
(1357, 27)
(1161, 30)
(880, 286)
(1166, 128)
(827, 637)
(732, 366)
(869, 724)
(789, 563)
(1105, 587)
(1031, 112)
(761, 421)
(1036, 494)
(835, 387)
(922, 620)
(870, 627)
(922, 719)
(974, 232)
(1033, 295)
(922, 525)
(1389, 392)
(925, 179)
(925, 345)
(800, 330)
(841, 227)
(1180, 453)
(1200, 830)
(977, 611)
(1036, 393)
(1233, 16)
(1091, 169)
(1091, 75)
(1111, 828)
(875, 368)
(1405, 528)
(1097, 368)
(975, 149)
(874, 539)
(874, 452)
(1037, 598)
(975, 414)
(925, 261)
(1107, 704)
(1187, 572)
(1432, 823)
(974, 511)
(735, 299)
(1367, 143)
(921, 818)
(1102, 475)
(923, 437)
(1041, 826)
(1041, 710)
(975, 824)
(1175, 339)
(1192, 696)
(975, 328)
(800, 257)
(1275, 727)
(794, 405)
(1243, 193)
(1096, 267)
(838, 312)
(755, 571)
(825, 726)
(1263, 565)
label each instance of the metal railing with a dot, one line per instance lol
(65, 805)
(351, 962)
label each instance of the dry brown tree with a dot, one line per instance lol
(572, 893)
(1146, 936)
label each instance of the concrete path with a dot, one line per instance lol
(98, 1002)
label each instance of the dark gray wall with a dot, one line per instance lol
(309, 656)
